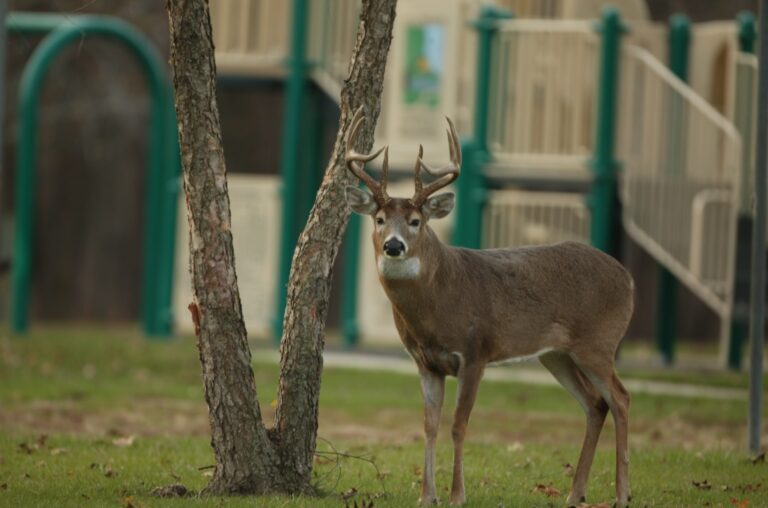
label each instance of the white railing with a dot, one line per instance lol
(681, 176)
(513, 218)
(543, 89)
(332, 32)
(250, 36)
(255, 204)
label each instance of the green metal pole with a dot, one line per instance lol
(66, 30)
(667, 290)
(471, 185)
(739, 325)
(350, 330)
(294, 100)
(604, 165)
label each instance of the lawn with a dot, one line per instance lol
(100, 418)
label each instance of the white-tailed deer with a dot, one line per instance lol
(457, 310)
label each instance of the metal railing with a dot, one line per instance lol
(250, 36)
(332, 32)
(542, 111)
(514, 217)
(681, 178)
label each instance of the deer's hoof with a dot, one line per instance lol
(621, 503)
(575, 501)
(457, 499)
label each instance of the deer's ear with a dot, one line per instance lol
(438, 206)
(361, 201)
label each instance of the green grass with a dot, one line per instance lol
(84, 389)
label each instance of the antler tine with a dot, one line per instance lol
(356, 161)
(417, 170)
(446, 174)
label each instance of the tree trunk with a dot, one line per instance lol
(245, 457)
(250, 459)
(309, 283)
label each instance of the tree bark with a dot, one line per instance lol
(249, 458)
(309, 283)
(245, 457)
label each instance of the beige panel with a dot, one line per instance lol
(255, 204)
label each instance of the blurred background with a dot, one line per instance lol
(646, 154)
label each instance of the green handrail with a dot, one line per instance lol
(290, 160)
(162, 173)
(666, 303)
(604, 165)
(739, 326)
(471, 185)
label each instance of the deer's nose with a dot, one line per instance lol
(394, 247)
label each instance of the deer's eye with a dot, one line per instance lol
(415, 222)
(379, 220)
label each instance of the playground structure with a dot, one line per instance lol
(563, 114)
(163, 163)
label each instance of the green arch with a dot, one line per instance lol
(162, 166)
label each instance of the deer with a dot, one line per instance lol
(458, 310)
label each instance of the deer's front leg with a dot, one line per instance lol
(469, 381)
(433, 391)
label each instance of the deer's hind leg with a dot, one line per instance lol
(567, 373)
(601, 373)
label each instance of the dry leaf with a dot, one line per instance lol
(740, 503)
(568, 469)
(124, 442)
(3, 486)
(515, 447)
(175, 490)
(109, 472)
(702, 485)
(547, 490)
(349, 494)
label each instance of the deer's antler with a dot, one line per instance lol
(356, 161)
(446, 174)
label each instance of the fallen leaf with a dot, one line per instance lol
(515, 447)
(349, 493)
(3, 486)
(175, 490)
(208, 474)
(26, 448)
(740, 503)
(41, 440)
(273, 403)
(109, 472)
(547, 490)
(568, 469)
(124, 442)
(702, 485)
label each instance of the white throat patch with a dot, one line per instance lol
(396, 268)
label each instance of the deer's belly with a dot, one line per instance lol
(437, 360)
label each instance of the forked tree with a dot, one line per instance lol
(251, 458)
